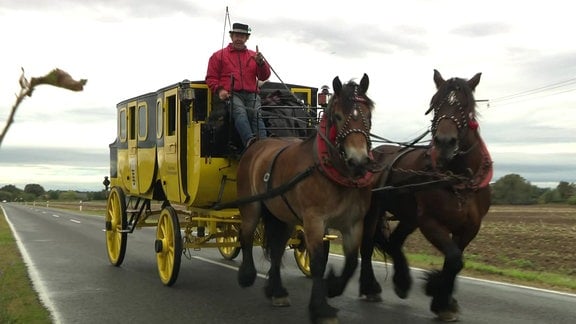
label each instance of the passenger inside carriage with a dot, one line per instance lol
(232, 75)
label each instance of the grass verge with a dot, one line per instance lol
(535, 279)
(19, 302)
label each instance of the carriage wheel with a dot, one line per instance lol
(168, 246)
(116, 223)
(228, 252)
(301, 253)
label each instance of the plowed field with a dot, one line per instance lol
(539, 238)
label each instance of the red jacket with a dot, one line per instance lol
(239, 64)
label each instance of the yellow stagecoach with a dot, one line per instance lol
(173, 166)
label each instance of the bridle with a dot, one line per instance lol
(463, 121)
(346, 128)
(330, 153)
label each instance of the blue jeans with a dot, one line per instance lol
(246, 115)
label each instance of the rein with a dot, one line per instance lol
(270, 193)
(411, 143)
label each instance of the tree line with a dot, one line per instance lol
(511, 189)
(35, 192)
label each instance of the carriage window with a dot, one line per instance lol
(131, 122)
(142, 122)
(304, 94)
(171, 109)
(159, 120)
(122, 124)
(200, 104)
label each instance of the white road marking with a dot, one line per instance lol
(263, 276)
(416, 269)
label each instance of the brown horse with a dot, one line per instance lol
(320, 182)
(442, 189)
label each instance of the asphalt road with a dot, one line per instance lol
(66, 255)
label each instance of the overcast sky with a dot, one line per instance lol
(524, 50)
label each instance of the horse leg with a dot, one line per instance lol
(319, 309)
(351, 239)
(250, 218)
(402, 278)
(440, 284)
(276, 234)
(369, 286)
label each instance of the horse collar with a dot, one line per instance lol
(478, 180)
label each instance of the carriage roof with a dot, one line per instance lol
(267, 87)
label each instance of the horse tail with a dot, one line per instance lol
(268, 221)
(381, 236)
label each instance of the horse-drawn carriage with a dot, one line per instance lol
(169, 151)
(173, 166)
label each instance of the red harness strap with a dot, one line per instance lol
(482, 176)
(326, 166)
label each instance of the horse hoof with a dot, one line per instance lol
(372, 298)
(281, 301)
(327, 320)
(246, 280)
(246, 275)
(448, 316)
(401, 293)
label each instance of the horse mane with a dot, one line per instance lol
(348, 96)
(455, 84)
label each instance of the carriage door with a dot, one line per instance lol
(132, 148)
(170, 169)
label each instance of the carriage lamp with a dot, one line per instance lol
(324, 96)
(186, 92)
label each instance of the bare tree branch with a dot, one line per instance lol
(56, 77)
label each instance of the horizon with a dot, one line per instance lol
(525, 95)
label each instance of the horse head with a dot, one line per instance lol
(349, 118)
(454, 116)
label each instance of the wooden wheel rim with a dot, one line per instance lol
(115, 224)
(169, 238)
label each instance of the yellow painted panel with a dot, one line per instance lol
(146, 169)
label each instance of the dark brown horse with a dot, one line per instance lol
(320, 182)
(442, 189)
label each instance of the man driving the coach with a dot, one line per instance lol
(233, 74)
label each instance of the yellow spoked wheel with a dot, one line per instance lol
(116, 223)
(228, 252)
(168, 246)
(301, 253)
